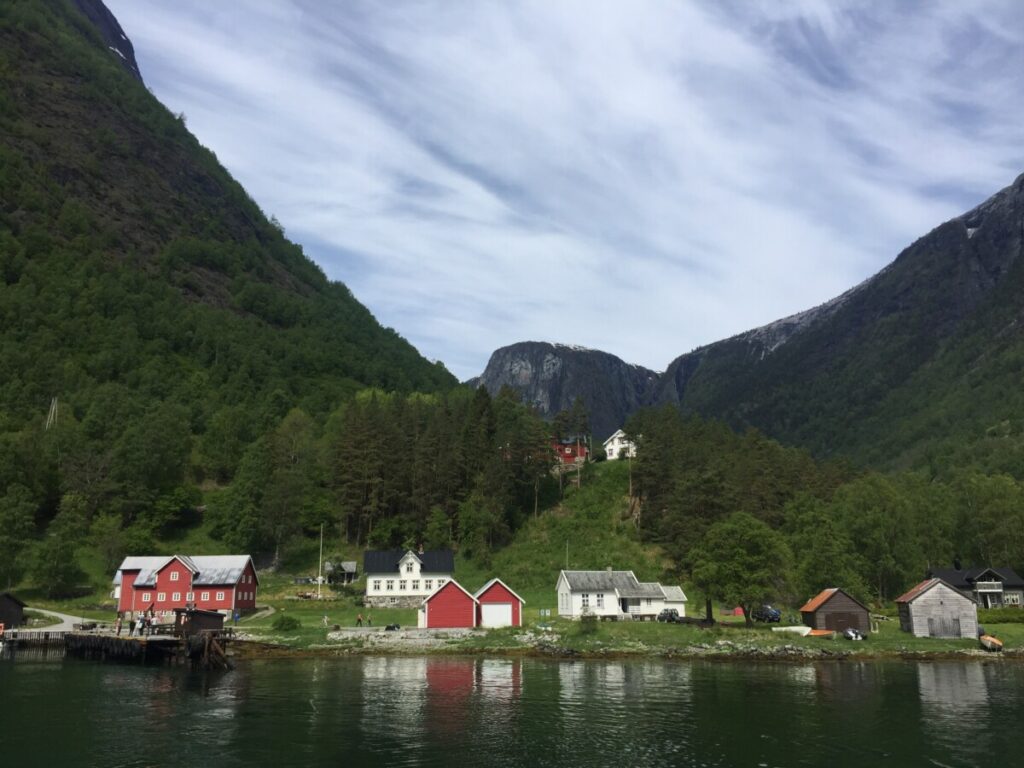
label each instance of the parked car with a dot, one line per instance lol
(669, 615)
(766, 614)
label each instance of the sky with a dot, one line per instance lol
(638, 177)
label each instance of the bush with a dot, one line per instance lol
(1000, 616)
(285, 623)
(588, 624)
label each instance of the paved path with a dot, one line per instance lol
(66, 620)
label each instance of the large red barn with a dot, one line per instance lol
(449, 607)
(498, 606)
(225, 583)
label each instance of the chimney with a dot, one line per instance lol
(421, 547)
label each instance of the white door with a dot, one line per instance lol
(496, 615)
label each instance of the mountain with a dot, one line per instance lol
(918, 365)
(141, 286)
(551, 376)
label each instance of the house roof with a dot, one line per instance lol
(965, 578)
(12, 598)
(601, 580)
(651, 589)
(613, 435)
(674, 594)
(916, 591)
(491, 583)
(208, 570)
(349, 566)
(824, 596)
(386, 560)
(450, 582)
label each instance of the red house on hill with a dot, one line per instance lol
(570, 450)
(449, 607)
(498, 606)
(225, 583)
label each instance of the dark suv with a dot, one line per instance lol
(766, 614)
(669, 615)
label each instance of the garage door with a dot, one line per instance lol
(496, 614)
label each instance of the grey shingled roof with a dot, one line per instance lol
(209, 570)
(608, 581)
(643, 589)
(675, 594)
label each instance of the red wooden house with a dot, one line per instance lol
(449, 607)
(498, 606)
(570, 450)
(225, 583)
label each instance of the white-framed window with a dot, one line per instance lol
(1012, 598)
(376, 585)
(401, 585)
(428, 584)
(440, 582)
(389, 585)
(220, 595)
(585, 600)
(648, 601)
(174, 575)
(394, 601)
(161, 596)
(205, 596)
(176, 597)
(190, 596)
(145, 597)
(599, 597)
(414, 585)
(408, 567)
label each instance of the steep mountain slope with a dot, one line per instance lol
(142, 287)
(551, 376)
(919, 364)
(120, 231)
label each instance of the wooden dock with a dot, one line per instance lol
(207, 650)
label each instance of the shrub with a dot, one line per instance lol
(588, 624)
(285, 623)
(1000, 616)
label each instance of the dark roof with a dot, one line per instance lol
(386, 560)
(964, 579)
(12, 598)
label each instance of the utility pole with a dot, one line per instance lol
(320, 568)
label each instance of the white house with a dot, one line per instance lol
(675, 598)
(612, 594)
(618, 446)
(399, 578)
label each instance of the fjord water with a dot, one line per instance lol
(378, 711)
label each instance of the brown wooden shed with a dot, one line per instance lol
(189, 621)
(12, 611)
(834, 609)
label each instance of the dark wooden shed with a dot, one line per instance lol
(189, 621)
(12, 611)
(834, 609)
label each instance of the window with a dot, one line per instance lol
(145, 597)
(174, 575)
(440, 583)
(401, 585)
(648, 601)
(1012, 598)
(161, 596)
(600, 599)
(205, 596)
(190, 596)
(415, 585)
(394, 601)
(176, 597)
(585, 601)
(390, 585)
(376, 585)
(408, 567)
(428, 584)
(220, 595)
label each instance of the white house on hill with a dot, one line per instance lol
(402, 578)
(614, 594)
(619, 447)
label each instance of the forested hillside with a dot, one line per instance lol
(146, 302)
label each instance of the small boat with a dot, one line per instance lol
(990, 643)
(802, 631)
(828, 634)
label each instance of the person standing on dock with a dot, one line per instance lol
(117, 625)
(369, 620)
(131, 627)
(359, 620)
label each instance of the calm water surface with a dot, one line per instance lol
(476, 712)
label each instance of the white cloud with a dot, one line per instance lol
(640, 178)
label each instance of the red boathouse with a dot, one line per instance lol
(449, 607)
(225, 583)
(498, 606)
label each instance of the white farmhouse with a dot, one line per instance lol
(612, 594)
(399, 578)
(618, 446)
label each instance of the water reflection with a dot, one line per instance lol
(955, 706)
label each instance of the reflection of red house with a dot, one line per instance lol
(225, 583)
(498, 606)
(449, 607)
(570, 450)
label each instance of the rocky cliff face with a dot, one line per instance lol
(851, 374)
(110, 33)
(552, 376)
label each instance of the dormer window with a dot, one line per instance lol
(408, 567)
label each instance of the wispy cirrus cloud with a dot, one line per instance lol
(641, 178)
